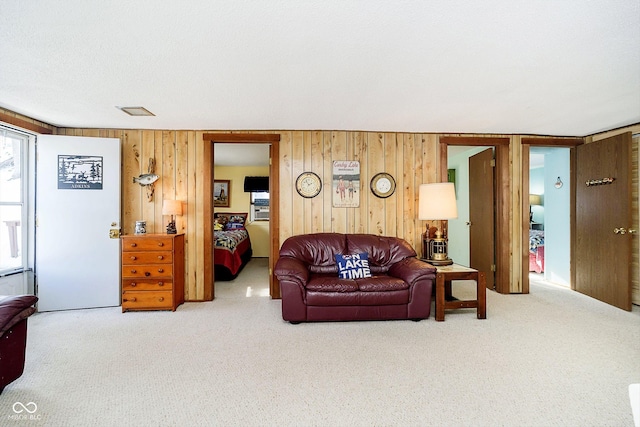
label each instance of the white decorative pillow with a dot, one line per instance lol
(354, 266)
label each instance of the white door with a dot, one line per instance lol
(77, 203)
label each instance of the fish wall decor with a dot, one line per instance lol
(146, 179)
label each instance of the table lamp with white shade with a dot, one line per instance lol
(437, 201)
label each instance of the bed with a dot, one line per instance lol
(536, 251)
(232, 245)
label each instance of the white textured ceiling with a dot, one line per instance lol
(556, 67)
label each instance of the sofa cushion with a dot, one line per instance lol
(381, 284)
(383, 251)
(354, 266)
(317, 250)
(355, 299)
(324, 283)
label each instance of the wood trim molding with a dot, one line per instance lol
(24, 124)
(475, 140)
(242, 137)
(560, 142)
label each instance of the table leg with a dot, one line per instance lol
(440, 297)
(482, 295)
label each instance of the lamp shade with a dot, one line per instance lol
(535, 199)
(171, 207)
(437, 201)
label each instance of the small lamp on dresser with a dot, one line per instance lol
(437, 201)
(172, 207)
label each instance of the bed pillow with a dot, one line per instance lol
(235, 221)
(354, 266)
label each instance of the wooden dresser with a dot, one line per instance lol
(152, 271)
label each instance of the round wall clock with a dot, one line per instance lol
(308, 184)
(383, 185)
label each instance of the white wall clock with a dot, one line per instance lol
(308, 184)
(383, 185)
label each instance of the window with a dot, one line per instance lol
(259, 206)
(13, 196)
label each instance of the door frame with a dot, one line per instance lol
(502, 198)
(526, 143)
(274, 210)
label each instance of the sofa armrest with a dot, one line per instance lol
(291, 269)
(411, 270)
(14, 309)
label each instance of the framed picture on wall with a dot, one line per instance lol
(221, 195)
(346, 184)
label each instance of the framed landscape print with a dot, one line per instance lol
(221, 195)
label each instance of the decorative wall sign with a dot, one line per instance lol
(79, 172)
(346, 184)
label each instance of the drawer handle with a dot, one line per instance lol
(161, 299)
(133, 284)
(161, 244)
(146, 273)
(160, 257)
(161, 270)
(160, 283)
(133, 245)
(133, 258)
(129, 300)
(133, 271)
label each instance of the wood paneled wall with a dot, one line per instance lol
(411, 158)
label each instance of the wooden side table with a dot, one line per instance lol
(444, 276)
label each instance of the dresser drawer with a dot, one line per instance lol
(147, 300)
(150, 257)
(148, 243)
(147, 285)
(147, 271)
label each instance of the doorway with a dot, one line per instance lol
(471, 235)
(208, 204)
(549, 215)
(502, 198)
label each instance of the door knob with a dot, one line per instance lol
(620, 230)
(632, 231)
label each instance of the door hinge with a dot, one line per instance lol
(493, 267)
(270, 272)
(493, 163)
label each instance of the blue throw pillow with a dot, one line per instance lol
(354, 266)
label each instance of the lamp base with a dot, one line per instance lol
(171, 228)
(439, 262)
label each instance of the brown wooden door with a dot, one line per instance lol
(602, 254)
(481, 214)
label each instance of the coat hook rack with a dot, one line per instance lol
(602, 181)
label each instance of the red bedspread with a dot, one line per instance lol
(229, 248)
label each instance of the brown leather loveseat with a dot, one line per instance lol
(399, 287)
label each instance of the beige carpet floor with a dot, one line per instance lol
(550, 358)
